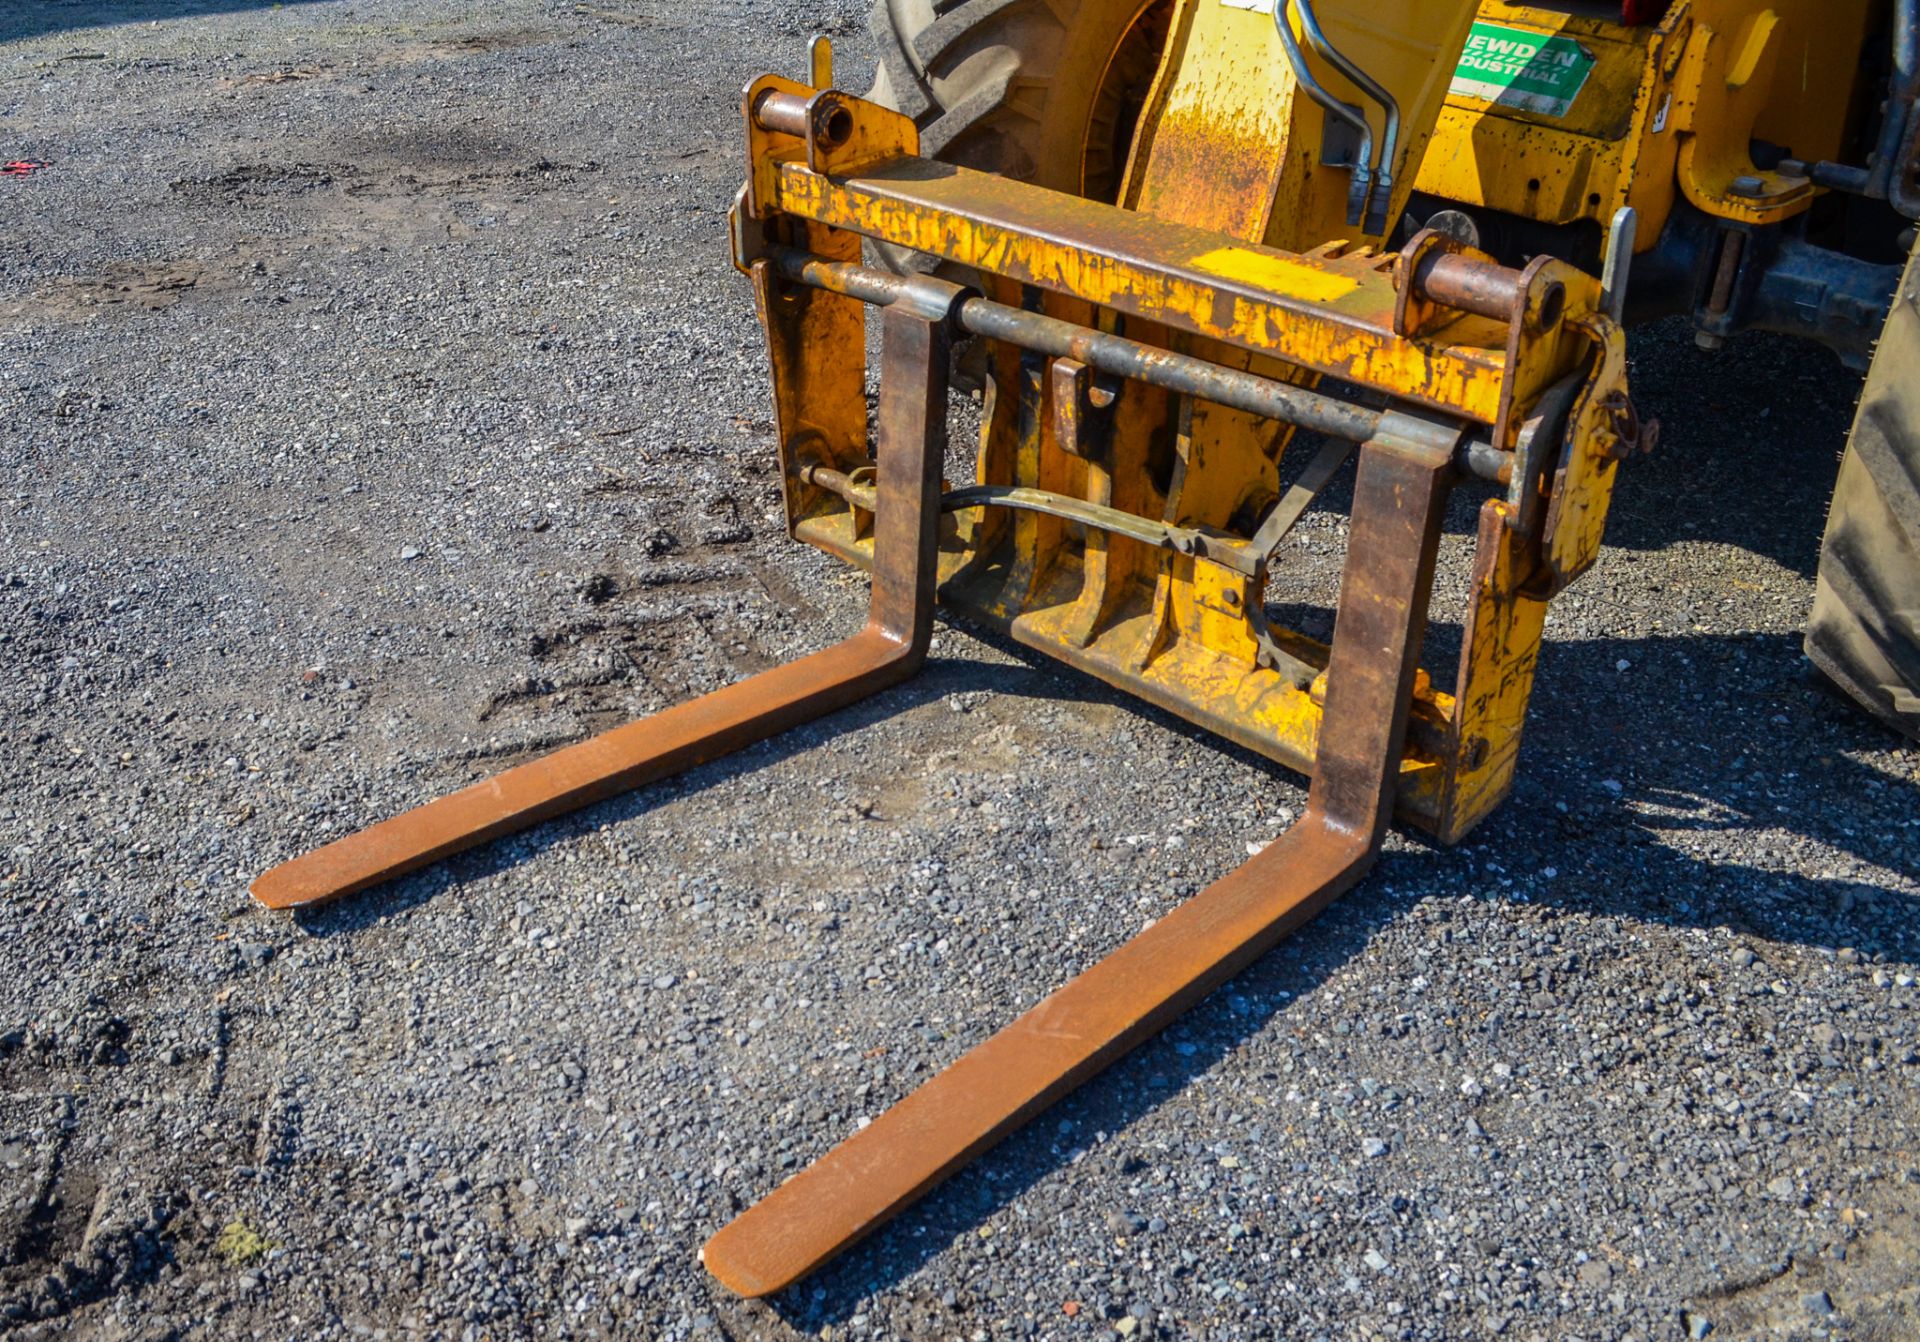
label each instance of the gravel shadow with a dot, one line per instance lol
(26, 19)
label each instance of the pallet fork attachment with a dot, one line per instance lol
(1404, 473)
(1139, 989)
(1513, 376)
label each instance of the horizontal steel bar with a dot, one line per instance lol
(860, 493)
(1114, 354)
(1222, 550)
(1484, 288)
(1227, 551)
(1331, 314)
(783, 112)
(1164, 368)
(1126, 358)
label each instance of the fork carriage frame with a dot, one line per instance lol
(1099, 529)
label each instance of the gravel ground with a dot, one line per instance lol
(380, 408)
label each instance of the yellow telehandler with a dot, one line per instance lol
(1199, 257)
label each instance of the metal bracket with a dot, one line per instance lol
(1619, 262)
(1538, 443)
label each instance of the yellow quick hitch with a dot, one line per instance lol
(1125, 520)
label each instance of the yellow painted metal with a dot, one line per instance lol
(817, 349)
(876, 135)
(1330, 313)
(1228, 140)
(1499, 650)
(1730, 69)
(1668, 112)
(1582, 487)
(1583, 165)
(1235, 248)
(820, 61)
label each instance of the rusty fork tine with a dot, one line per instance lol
(600, 767)
(892, 646)
(1137, 990)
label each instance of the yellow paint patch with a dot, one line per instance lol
(1275, 274)
(1753, 45)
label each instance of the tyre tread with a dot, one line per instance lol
(1864, 632)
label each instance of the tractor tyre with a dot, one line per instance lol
(1046, 93)
(1864, 634)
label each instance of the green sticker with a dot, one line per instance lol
(1516, 68)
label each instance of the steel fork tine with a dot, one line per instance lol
(1140, 988)
(893, 645)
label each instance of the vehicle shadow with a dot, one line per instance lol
(21, 20)
(1623, 852)
(1740, 742)
(1751, 437)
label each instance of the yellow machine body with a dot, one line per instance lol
(1666, 111)
(1235, 238)
(1228, 140)
(1231, 243)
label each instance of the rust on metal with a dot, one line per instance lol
(1064, 340)
(891, 647)
(1331, 314)
(1072, 380)
(1137, 990)
(1154, 581)
(1732, 247)
(1469, 284)
(784, 112)
(823, 120)
(1147, 368)
(1136, 544)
